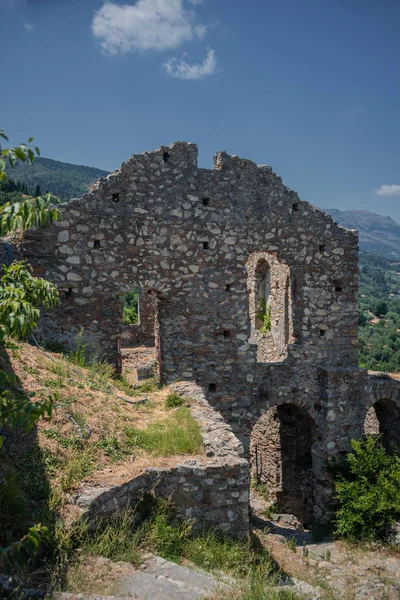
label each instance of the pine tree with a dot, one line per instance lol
(37, 191)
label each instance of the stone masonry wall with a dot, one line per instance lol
(160, 223)
(212, 491)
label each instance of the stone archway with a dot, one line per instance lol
(281, 458)
(383, 418)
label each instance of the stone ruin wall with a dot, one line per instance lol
(211, 490)
(193, 237)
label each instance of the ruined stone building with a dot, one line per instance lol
(245, 290)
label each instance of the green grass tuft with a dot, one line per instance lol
(174, 400)
(178, 434)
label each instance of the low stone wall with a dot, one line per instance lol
(212, 491)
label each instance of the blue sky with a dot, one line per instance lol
(310, 87)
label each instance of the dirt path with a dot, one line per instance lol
(335, 569)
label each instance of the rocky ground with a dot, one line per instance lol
(335, 570)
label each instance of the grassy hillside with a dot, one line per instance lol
(62, 179)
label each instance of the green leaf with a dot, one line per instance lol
(19, 152)
(3, 135)
(37, 150)
(30, 140)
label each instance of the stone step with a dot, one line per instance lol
(156, 579)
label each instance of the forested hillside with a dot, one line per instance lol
(62, 179)
(379, 314)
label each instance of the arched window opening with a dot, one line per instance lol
(383, 419)
(281, 459)
(270, 306)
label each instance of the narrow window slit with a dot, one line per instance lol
(295, 207)
(227, 333)
(322, 332)
(212, 387)
(68, 293)
(322, 247)
(228, 287)
(165, 156)
(96, 244)
(115, 197)
(205, 201)
(205, 245)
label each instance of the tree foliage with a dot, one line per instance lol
(21, 296)
(379, 314)
(367, 488)
(130, 315)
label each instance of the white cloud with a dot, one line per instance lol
(145, 25)
(388, 190)
(28, 26)
(181, 69)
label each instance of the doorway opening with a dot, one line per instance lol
(281, 459)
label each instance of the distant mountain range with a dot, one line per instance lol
(378, 235)
(61, 179)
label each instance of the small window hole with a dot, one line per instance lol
(322, 247)
(165, 156)
(205, 201)
(212, 387)
(96, 244)
(295, 207)
(68, 293)
(228, 287)
(227, 333)
(338, 288)
(115, 197)
(205, 245)
(322, 332)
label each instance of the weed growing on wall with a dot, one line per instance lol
(264, 315)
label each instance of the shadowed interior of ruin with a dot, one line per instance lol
(281, 458)
(383, 418)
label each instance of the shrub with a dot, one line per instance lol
(367, 488)
(174, 400)
(178, 434)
